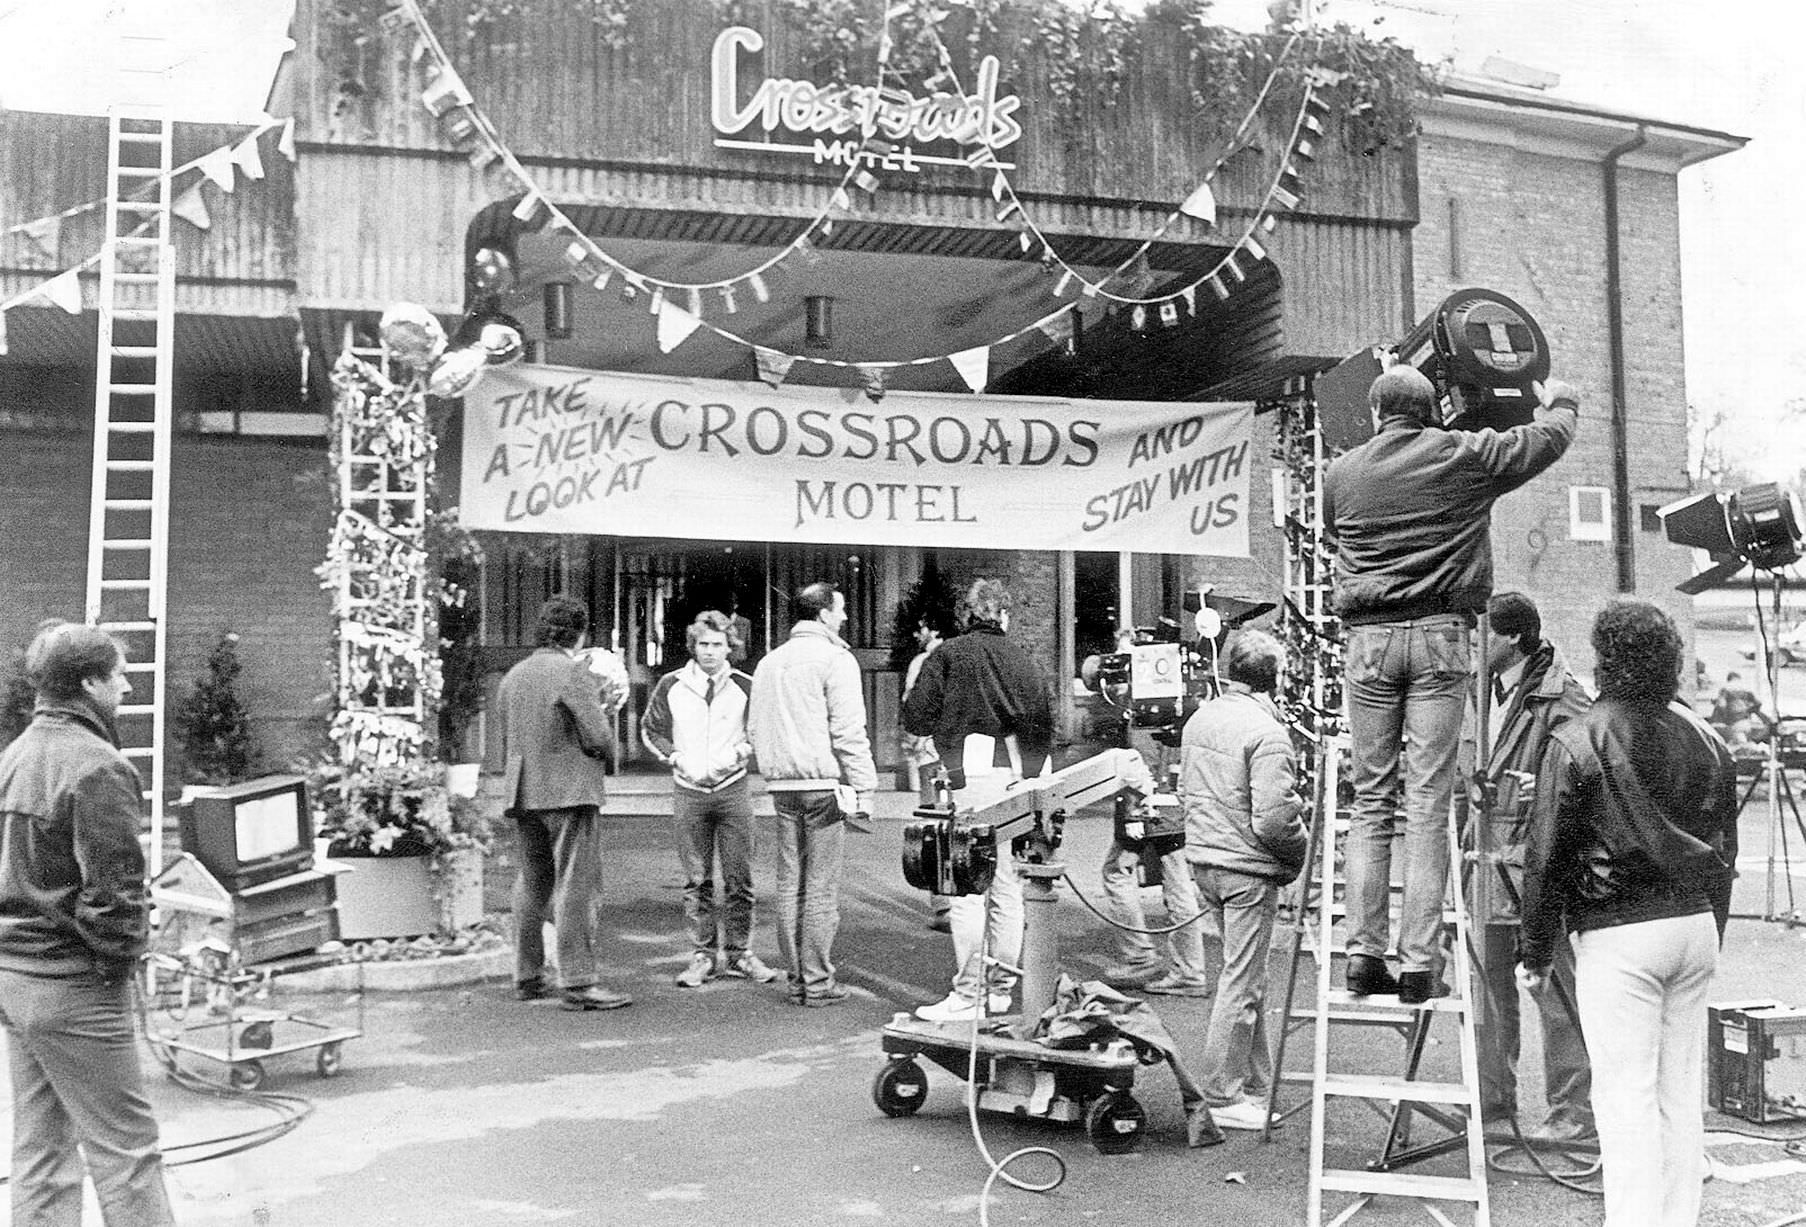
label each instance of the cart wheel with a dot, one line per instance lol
(1115, 1123)
(329, 1060)
(246, 1075)
(900, 1088)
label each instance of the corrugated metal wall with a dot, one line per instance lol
(49, 163)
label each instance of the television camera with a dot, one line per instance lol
(1157, 679)
(1483, 352)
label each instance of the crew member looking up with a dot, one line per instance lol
(1410, 515)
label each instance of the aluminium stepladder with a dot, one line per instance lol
(1454, 1105)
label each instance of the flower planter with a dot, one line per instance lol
(406, 896)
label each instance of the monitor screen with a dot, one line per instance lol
(268, 826)
(252, 832)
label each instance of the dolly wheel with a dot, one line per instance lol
(329, 1060)
(1115, 1123)
(246, 1075)
(900, 1088)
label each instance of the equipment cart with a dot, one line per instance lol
(204, 1006)
(954, 855)
(212, 977)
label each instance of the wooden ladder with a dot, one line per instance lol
(1455, 1106)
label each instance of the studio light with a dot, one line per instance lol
(1757, 526)
(558, 310)
(818, 321)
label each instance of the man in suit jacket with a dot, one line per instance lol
(555, 743)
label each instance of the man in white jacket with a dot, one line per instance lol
(808, 733)
(695, 723)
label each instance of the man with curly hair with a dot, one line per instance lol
(1630, 854)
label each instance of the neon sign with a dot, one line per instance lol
(835, 120)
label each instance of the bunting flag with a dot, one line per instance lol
(1201, 204)
(285, 144)
(773, 364)
(727, 299)
(1057, 326)
(1285, 199)
(840, 199)
(1169, 313)
(974, 366)
(446, 91)
(1235, 269)
(1064, 281)
(999, 185)
(64, 290)
(758, 288)
(1138, 318)
(192, 209)
(1252, 246)
(873, 379)
(696, 302)
(532, 213)
(46, 234)
(866, 182)
(246, 157)
(1190, 295)
(217, 166)
(1217, 287)
(674, 326)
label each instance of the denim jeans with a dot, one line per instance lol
(811, 844)
(1643, 1007)
(1122, 893)
(560, 880)
(76, 1083)
(707, 825)
(1407, 687)
(1238, 1060)
(1567, 1076)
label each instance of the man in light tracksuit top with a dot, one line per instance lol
(808, 733)
(695, 723)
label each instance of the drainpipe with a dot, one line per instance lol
(1614, 307)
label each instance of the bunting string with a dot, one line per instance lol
(682, 308)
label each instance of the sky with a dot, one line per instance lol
(1734, 66)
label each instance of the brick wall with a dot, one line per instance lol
(1532, 226)
(248, 523)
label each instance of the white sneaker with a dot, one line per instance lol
(1242, 1115)
(700, 971)
(956, 1008)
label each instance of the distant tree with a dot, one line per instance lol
(928, 598)
(211, 722)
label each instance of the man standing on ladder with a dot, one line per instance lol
(1533, 695)
(1409, 512)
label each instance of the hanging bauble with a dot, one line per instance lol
(457, 371)
(413, 335)
(491, 270)
(499, 338)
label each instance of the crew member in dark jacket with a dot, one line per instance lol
(1245, 839)
(74, 917)
(1533, 695)
(1631, 848)
(1410, 513)
(554, 744)
(980, 682)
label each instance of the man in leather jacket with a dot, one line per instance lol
(1533, 695)
(1631, 846)
(74, 917)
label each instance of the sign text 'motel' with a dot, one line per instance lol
(855, 112)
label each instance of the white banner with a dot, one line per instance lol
(557, 450)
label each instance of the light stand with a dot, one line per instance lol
(1776, 773)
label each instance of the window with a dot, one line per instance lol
(1589, 513)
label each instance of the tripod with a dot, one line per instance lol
(1778, 786)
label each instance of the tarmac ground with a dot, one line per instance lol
(727, 1105)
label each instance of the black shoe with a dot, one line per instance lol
(834, 994)
(593, 998)
(1417, 987)
(530, 990)
(1367, 976)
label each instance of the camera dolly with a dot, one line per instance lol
(955, 852)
